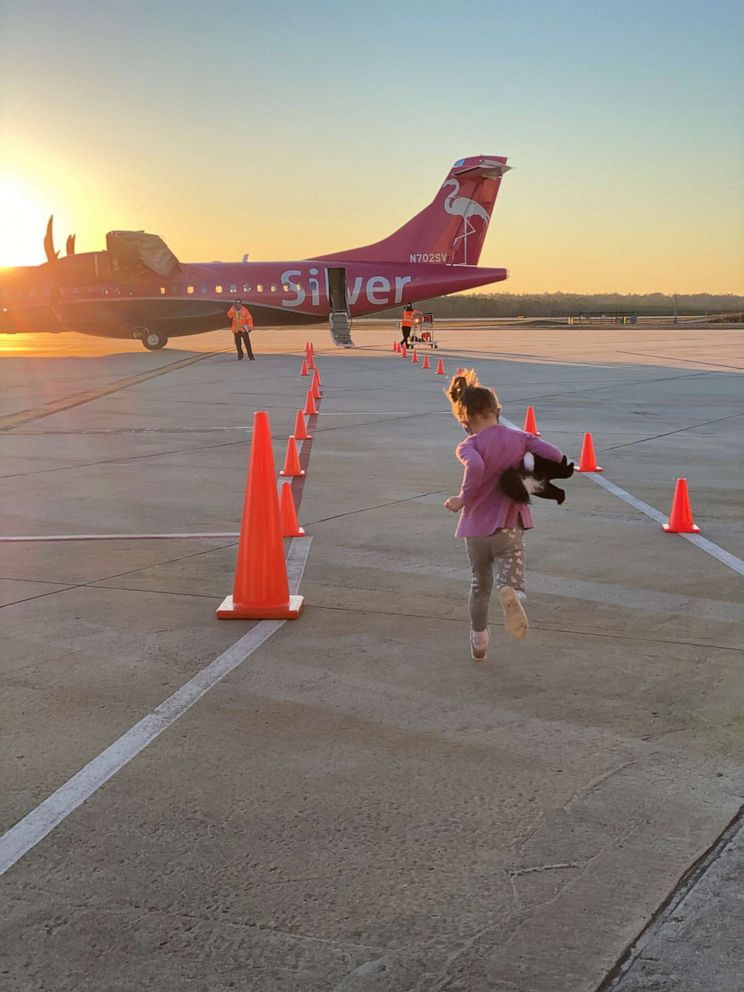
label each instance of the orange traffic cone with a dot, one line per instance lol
(310, 408)
(440, 367)
(315, 386)
(414, 357)
(261, 589)
(530, 424)
(290, 524)
(292, 460)
(403, 352)
(395, 346)
(680, 518)
(425, 363)
(303, 369)
(587, 459)
(300, 430)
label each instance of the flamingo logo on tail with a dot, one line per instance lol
(463, 206)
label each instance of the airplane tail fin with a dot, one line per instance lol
(452, 229)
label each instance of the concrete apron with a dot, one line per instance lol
(358, 806)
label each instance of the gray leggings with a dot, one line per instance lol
(504, 549)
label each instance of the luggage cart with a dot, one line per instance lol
(423, 331)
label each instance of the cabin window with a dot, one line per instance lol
(273, 288)
(162, 290)
(233, 288)
(247, 288)
(203, 290)
(218, 289)
(190, 290)
(259, 288)
(285, 287)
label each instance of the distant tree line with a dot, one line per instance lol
(571, 304)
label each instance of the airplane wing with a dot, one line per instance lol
(133, 251)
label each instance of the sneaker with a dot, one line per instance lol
(478, 644)
(514, 615)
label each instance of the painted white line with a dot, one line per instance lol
(121, 537)
(197, 536)
(650, 511)
(725, 557)
(367, 413)
(35, 826)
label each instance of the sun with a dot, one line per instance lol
(23, 224)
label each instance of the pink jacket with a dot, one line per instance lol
(485, 456)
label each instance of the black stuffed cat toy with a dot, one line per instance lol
(533, 478)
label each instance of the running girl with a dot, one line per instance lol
(492, 524)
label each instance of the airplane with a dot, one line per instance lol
(137, 288)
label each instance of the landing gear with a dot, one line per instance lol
(152, 340)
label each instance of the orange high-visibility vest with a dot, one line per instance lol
(241, 317)
(407, 318)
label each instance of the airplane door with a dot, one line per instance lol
(337, 291)
(339, 317)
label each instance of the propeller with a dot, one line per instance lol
(51, 254)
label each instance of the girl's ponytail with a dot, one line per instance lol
(468, 398)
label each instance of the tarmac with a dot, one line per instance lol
(347, 802)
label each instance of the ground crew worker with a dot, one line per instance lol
(242, 325)
(406, 323)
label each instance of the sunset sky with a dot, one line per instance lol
(292, 129)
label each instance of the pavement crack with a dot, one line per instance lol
(533, 868)
(681, 430)
(11, 420)
(533, 626)
(589, 787)
(378, 506)
(124, 460)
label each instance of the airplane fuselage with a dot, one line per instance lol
(53, 297)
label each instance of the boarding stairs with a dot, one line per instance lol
(339, 322)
